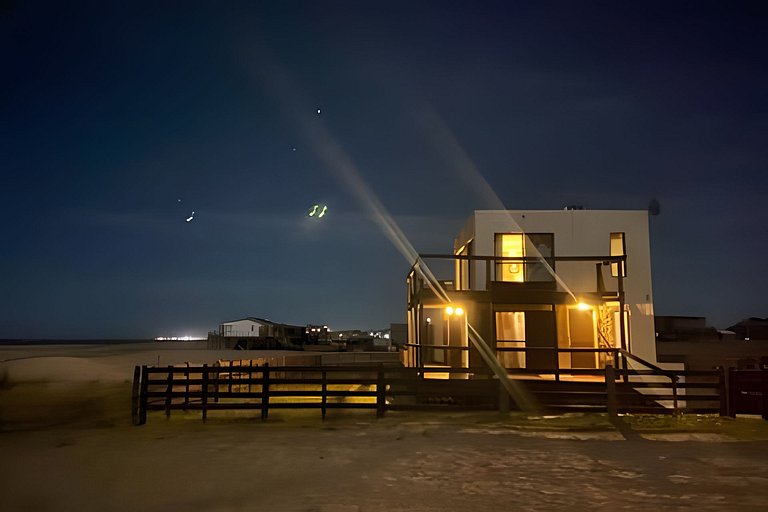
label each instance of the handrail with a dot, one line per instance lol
(670, 375)
(523, 259)
(650, 365)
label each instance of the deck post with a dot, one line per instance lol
(265, 392)
(610, 389)
(204, 395)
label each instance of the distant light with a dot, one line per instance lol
(429, 320)
(322, 212)
(313, 210)
(582, 306)
(318, 112)
(449, 310)
(386, 336)
(191, 217)
(341, 335)
(459, 311)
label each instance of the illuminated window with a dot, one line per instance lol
(519, 245)
(618, 248)
(510, 334)
(509, 245)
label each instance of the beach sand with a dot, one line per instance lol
(67, 443)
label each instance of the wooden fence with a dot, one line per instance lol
(383, 388)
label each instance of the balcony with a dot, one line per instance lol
(483, 278)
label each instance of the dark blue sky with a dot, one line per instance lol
(110, 114)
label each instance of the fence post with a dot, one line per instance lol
(674, 378)
(143, 389)
(732, 393)
(764, 375)
(722, 391)
(381, 389)
(186, 389)
(169, 392)
(610, 389)
(135, 395)
(229, 386)
(204, 398)
(324, 393)
(265, 392)
(250, 374)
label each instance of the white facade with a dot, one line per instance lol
(577, 233)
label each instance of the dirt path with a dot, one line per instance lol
(360, 464)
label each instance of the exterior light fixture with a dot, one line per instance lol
(582, 306)
(429, 320)
(459, 311)
(449, 310)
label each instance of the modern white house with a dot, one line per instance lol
(545, 290)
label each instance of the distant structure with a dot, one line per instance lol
(687, 340)
(685, 328)
(751, 329)
(255, 333)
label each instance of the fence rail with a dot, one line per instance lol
(385, 388)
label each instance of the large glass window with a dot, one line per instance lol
(519, 245)
(510, 334)
(509, 245)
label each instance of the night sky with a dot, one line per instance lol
(118, 121)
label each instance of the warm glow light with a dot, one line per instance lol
(429, 320)
(459, 311)
(449, 310)
(583, 306)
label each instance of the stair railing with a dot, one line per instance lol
(672, 376)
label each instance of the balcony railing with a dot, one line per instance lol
(535, 272)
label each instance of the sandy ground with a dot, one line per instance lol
(66, 443)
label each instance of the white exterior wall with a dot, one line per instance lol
(580, 233)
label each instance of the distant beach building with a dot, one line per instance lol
(253, 333)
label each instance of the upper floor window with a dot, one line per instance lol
(520, 245)
(618, 248)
